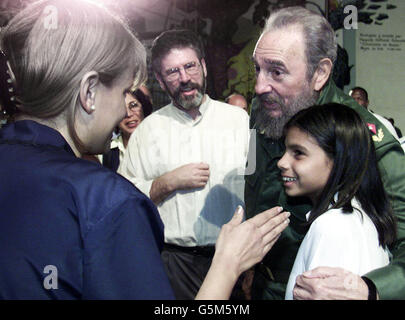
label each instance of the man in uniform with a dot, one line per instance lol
(294, 59)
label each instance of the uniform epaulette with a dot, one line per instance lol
(377, 135)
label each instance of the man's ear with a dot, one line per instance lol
(204, 66)
(88, 88)
(322, 74)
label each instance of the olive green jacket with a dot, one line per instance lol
(264, 190)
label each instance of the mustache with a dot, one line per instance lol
(269, 99)
(188, 85)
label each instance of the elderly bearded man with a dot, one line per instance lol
(294, 58)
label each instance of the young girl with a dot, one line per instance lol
(330, 158)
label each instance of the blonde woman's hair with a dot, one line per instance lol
(51, 44)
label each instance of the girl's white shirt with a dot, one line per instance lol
(337, 239)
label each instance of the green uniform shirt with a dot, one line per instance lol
(264, 190)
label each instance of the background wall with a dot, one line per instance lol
(380, 61)
(377, 52)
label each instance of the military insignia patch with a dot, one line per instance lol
(376, 137)
(379, 136)
(372, 128)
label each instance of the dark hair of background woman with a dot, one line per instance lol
(147, 107)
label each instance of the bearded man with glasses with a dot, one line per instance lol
(189, 158)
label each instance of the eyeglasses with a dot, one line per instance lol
(133, 105)
(191, 68)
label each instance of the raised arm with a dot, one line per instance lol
(240, 246)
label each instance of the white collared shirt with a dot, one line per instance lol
(170, 138)
(116, 142)
(119, 143)
(337, 239)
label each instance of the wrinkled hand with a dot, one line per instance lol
(243, 245)
(190, 176)
(325, 283)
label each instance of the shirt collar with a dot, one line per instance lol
(354, 202)
(34, 133)
(204, 106)
(117, 142)
(335, 198)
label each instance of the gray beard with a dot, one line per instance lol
(273, 127)
(189, 103)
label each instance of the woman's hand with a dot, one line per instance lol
(243, 244)
(240, 246)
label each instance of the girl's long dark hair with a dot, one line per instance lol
(346, 139)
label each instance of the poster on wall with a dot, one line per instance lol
(380, 57)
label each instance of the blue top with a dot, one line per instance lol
(71, 229)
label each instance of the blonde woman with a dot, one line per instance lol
(69, 228)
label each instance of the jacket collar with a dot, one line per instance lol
(33, 133)
(331, 93)
(328, 93)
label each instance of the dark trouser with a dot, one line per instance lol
(186, 269)
(269, 285)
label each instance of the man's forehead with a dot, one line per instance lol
(271, 62)
(280, 44)
(179, 55)
(359, 93)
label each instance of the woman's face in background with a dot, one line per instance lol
(134, 115)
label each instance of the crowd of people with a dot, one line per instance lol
(168, 209)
